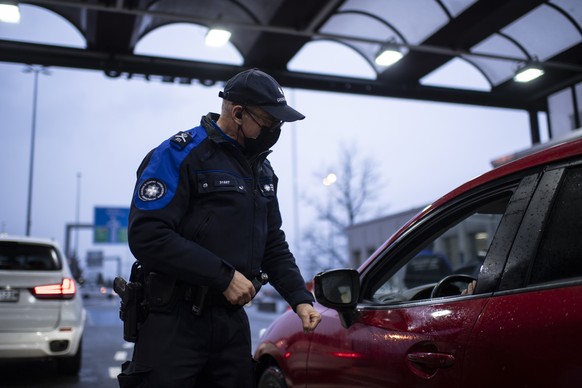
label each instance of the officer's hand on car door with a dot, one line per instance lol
(310, 318)
(240, 290)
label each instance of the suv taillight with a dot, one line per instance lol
(65, 290)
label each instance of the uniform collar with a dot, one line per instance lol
(214, 132)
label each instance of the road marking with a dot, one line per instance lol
(120, 356)
(127, 345)
(89, 320)
(114, 371)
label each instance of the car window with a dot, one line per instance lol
(23, 257)
(459, 245)
(559, 255)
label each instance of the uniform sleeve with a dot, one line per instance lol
(161, 198)
(279, 262)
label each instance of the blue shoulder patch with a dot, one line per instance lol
(159, 181)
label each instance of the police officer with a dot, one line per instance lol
(204, 223)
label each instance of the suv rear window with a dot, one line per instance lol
(27, 257)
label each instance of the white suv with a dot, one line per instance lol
(41, 311)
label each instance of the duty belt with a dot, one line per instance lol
(202, 296)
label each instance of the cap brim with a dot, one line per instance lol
(283, 112)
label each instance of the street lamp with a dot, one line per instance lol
(77, 207)
(9, 12)
(388, 57)
(528, 72)
(328, 181)
(217, 37)
(36, 70)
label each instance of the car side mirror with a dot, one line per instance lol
(338, 289)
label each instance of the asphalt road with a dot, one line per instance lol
(104, 350)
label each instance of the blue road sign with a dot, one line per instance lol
(110, 225)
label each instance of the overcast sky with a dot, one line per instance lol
(101, 128)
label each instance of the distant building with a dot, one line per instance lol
(462, 244)
(366, 237)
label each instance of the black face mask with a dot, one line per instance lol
(266, 139)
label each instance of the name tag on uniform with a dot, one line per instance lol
(224, 183)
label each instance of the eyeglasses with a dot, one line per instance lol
(274, 123)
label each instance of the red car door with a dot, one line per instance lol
(421, 345)
(528, 339)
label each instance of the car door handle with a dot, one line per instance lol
(432, 360)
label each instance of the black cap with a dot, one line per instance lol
(256, 88)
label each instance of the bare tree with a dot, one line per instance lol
(349, 200)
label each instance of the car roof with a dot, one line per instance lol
(549, 153)
(28, 239)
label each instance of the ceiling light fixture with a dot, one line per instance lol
(528, 72)
(9, 12)
(216, 37)
(388, 55)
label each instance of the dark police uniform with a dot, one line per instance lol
(201, 209)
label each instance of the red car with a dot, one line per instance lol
(407, 318)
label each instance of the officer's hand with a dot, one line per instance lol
(240, 290)
(309, 316)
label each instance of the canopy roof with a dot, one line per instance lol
(494, 36)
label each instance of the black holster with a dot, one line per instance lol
(132, 310)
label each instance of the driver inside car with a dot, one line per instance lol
(470, 288)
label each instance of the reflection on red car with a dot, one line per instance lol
(405, 318)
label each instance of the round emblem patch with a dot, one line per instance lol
(151, 190)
